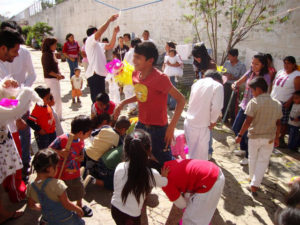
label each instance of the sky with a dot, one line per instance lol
(9, 8)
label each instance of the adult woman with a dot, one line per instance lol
(52, 75)
(286, 82)
(202, 60)
(71, 51)
(259, 67)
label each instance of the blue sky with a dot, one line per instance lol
(11, 7)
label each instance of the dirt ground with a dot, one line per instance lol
(236, 206)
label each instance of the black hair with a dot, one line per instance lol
(47, 44)
(127, 35)
(122, 122)
(134, 42)
(269, 57)
(137, 145)
(146, 31)
(105, 40)
(293, 197)
(84, 40)
(120, 37)
(147, 49)
(44, 159)
(99, 119)
(102, 97)
(91, 30)
(69, 35)
(9, 38)
(200, 51)
(296, 93)
(173, 50)
(263, 60)
(215, 75)
(287, 216)
(259, 82)
(290, 59)
(77, 68)
(81, 123)
(12, 25)
(171, 44)
(42, 91)
(233, 52)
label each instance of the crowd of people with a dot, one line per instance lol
(131, 156)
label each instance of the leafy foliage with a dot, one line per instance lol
(39, 31)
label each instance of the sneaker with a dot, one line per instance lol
(239, 152)
(244, 162)
(89, 180)
(209, 156)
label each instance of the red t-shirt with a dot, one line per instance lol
(109, 110)
(72, 49)
(190, 176)
(152, 95)
(43, 117)
(72, 166)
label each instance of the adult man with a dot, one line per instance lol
(146, 36)
(235, 69)
(205, 104)
(96, 70)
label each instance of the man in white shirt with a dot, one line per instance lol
(95, 52)
(205, 105)
(146, 36)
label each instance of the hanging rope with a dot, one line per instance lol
(129, 8)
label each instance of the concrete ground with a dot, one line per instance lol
(236, 206)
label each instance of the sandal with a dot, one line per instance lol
(87, 211)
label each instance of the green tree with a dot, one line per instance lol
(39, 31)
(236, 18)
(25, 31)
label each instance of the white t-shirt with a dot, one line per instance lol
(95, 52)
(283, 85)
(3, 70)
(76, 81)
(21, 69)
(149, 40)
(131, 206)
(129, 56)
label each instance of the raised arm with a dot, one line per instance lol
(103, 28)
(112, 42)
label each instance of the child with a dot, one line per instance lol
(51, 193)
(294, 123)
(133, 179)
(179, 144)
(76, 82)
(102, 105)
(102, 166)
(151, 91)
(263, 125)
(81, 128)
(41, 119)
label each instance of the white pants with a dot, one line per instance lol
(201, 207)
(259, 156)
(129, 92)
(114, 90)
(54, 85)
(197, 140)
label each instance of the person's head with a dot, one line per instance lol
(81, 126)
(102, 101)
(122, 125)
(172, 52)
(70, 37)
(127, 37)
(11, 25)
(293, 197)
(105, 40)
(101, 120)
(115, 54)
(51, 100)
(10, 41)
(77, 71)
(121, 40)
(91, 30)
(145, 55)
(134, 42)
(287, 216)
(84, 40)
(137, 148)
(296, 97)
(201, 56)
(233, 55)
(258, 86)
(49, 45)
(44, 93)
(269, 59)
(170, 44)
(215, 75)
(259, 64)
(146, 35)
(45, 162)
(289, 64)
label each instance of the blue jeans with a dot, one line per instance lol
(72, 66)
(97, 85)
(210, 148)
(237, 126)
(294, 137)
(25, 137)
(43, 141)
(157, 134)
(171, 100)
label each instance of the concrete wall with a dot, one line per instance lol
(164, 21)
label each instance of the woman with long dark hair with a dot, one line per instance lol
(52, 75)
(134, 179)
(259, 67)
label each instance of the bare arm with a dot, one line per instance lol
(69, 205)
(245, 127)
(297, 88)
(278, 126)
(112, 42)
(239, 81)
(122, 104)
(103, 28)
(33, 205)
(177, 64)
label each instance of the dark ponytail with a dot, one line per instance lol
(140, 178)
(263, 60)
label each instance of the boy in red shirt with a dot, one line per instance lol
(41, 119)
(201, 182)
(102, 105)
(81, 127)
(151, 92)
